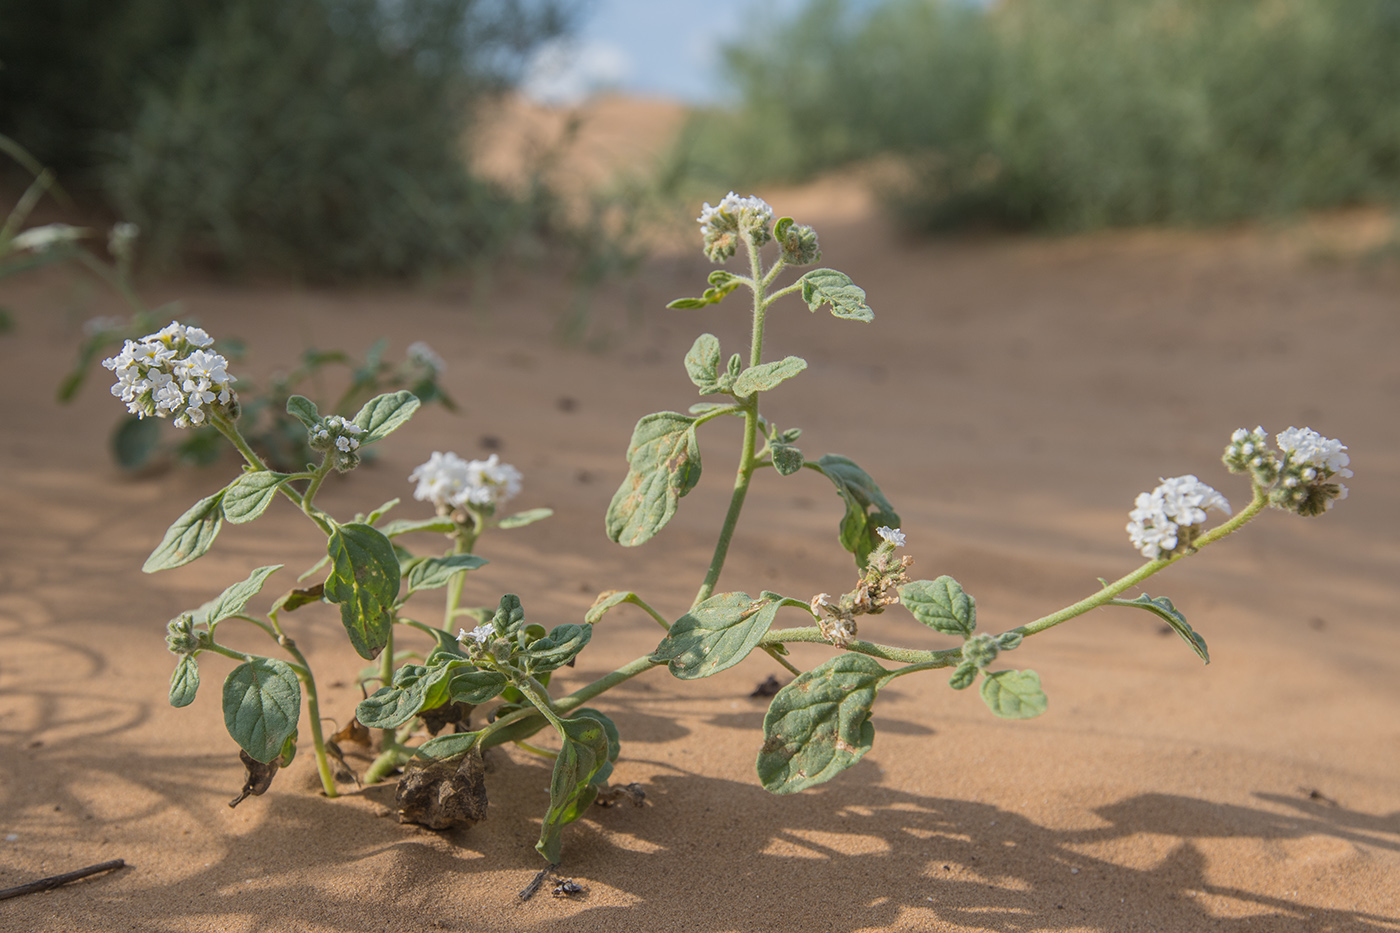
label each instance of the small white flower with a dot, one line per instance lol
(46, 237)
(892, 535)
(423, 355)
(479, 635)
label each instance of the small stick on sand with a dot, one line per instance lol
(45, 884)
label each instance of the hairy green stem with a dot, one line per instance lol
(811, 634)
(313, 712)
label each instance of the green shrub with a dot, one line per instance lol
(321, 137)
(1079, 113)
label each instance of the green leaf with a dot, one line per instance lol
(430, 573)
(767, 376)
(521, 519)
(294, 599)
(686, 303)
(232, 600)
(557, 648)
(787, 459)
(364, 581)
(702, 363)
(509, 615)
(262, 700)
(964, 676)
(664, 457)
(184, 681)
(403, 526)
(448, 746)
(819, 725)
(415, 687)
(866, 506)
(373, 517)
(583, 755)
(1162, 608)
(607, 601)
(718, 634)
(191, 535)
(827, 286)
(475, 687)
(135, 441)
(941, 605)
(249, 496)
(304, 410)
(1014, 694)
(383, 414)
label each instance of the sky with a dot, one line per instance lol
(661, 48)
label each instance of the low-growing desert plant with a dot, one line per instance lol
(817, 725)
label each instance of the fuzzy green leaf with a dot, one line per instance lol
(941, 605)
(521, 519)
(509, 615)
(866, 506)
(827, 286)
(819, 725)
(190, 537)
(249, 496)
(232, 600)
(607, 601)
(787, 459)
(1162, 608)
(403, 526)
(664, 457)
(430, 573)
(184, 681)
(448, 746)
(583, 755)
(364, 582)
(383, 414)
(475, 687)
(964, 676)
(702, 363)
(682, 304)
(767, 376)
(262, 700)
(557, 648)
(415, 687)
(718, 634)
(304, 410)
(1014, 694)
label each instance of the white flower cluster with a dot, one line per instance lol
(1299, 482)
(1314, 453)
(892, 535)
(420, 354)
(449, 481)
(720, 225)
(1164, 517)
(171, 372)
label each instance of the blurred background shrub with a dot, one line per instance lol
(1071, 114)
(326, 138)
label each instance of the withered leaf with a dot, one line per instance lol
(259, 777)
(449, 714)
(443, 794)
(354, 731)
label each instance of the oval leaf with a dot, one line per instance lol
(583, 755)
(475, 687)
(1162, 608)
(184, 681)
(448, 746)
(249, 496)
(364, 581)
(866, 506)
(767, 376)
(829, 287)
(434, 572)
(557, 648)
(819, 725)
(403, 526)
(232, 600)
(665, 465)
(716, 635)
(1014, 694)
(941, 605)
(262, 700)
(521, 519)
(304, 410)
(190, 537)
(702, 363)
(383, 414)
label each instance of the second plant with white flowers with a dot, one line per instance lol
(474, 678)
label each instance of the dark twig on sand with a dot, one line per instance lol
(45, 884)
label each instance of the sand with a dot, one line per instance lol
(1011, 397)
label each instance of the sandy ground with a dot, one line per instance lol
(1011, 397)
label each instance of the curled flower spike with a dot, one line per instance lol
(1310, 460)
(722, 224)
(171, 372)
(1164, 520)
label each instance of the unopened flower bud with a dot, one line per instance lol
(799, 245)
(981, 649)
